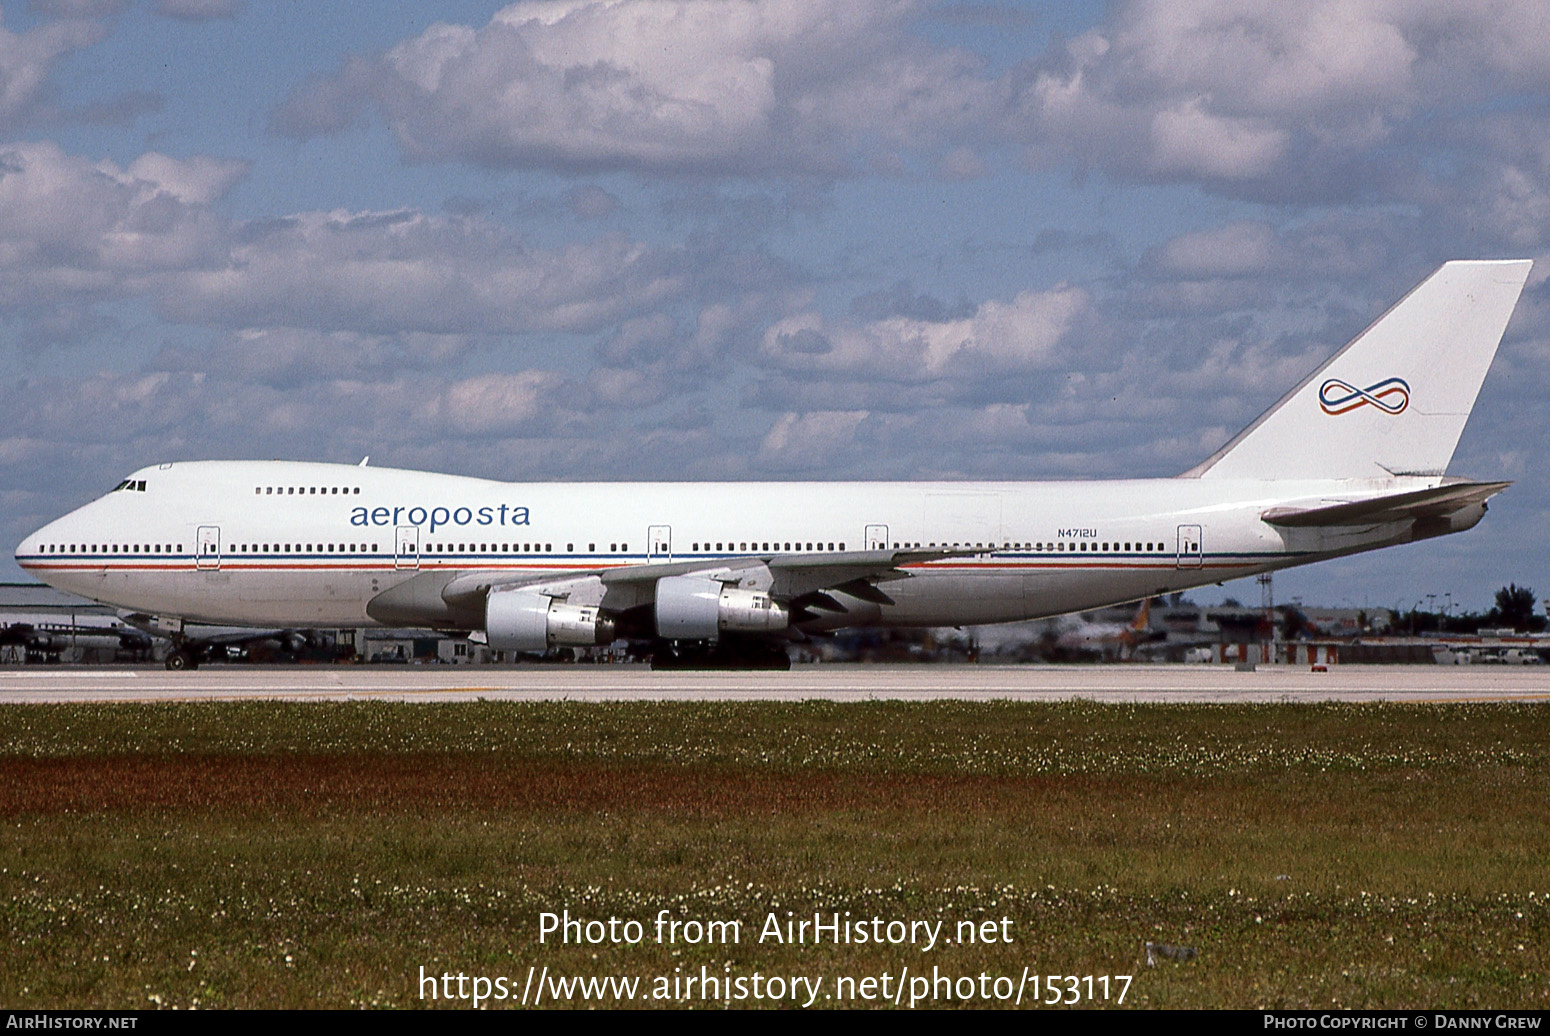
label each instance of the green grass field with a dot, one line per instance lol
(262, 855)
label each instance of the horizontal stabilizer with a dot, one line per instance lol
(1437, 502)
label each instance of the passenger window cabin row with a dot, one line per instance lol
(1105, 547)
(112, 548)
(303, 548)
(1129, 547)
(763, 548)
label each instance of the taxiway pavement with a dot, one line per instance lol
(1115, 683)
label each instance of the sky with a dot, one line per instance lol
(786, 240)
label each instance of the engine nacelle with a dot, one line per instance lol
(701, 608)
(525, 620)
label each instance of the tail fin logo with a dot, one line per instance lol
(1338, 397)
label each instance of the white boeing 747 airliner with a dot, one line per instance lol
(1352, 459)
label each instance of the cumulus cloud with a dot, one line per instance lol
(72, 228)
(407, 402)
(1252, 265)
(492, 403)
(1276, 101)
(198, 10)
(198, 180)
(198, 399)
(641, 340)
(591, 202)
(661, 85)
(100, 407)
(1241, 248)
(1018, 335)
(1331, 100)
(409, 270)
(27, 59)
(1190, 140)
(75, 231)
(29, 95)
(961, 164)
(616, 387)
(288, 358)
(79, 8)
(1049, 438)
(809, 441)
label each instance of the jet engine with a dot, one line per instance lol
(526, 620)
(696, 607)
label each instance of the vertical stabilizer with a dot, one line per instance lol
(1394, 400)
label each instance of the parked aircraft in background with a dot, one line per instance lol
(1109, 639)
(46, 635)
(216, 639)
(1352, 459)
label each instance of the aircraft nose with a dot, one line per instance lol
(26, 551)
(29, 552)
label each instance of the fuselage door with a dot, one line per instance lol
(1191, 553)
(659, 543)
(407, 552)
(209, 546)
(876, 537)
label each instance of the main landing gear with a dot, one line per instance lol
(727, 653)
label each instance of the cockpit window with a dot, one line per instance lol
(132, 485)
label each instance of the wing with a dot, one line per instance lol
(1437, 502)
(808, 584)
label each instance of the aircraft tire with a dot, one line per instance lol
(180, 660)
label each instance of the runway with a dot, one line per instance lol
(1114, 683)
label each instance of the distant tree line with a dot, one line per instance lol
(1514, 608)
